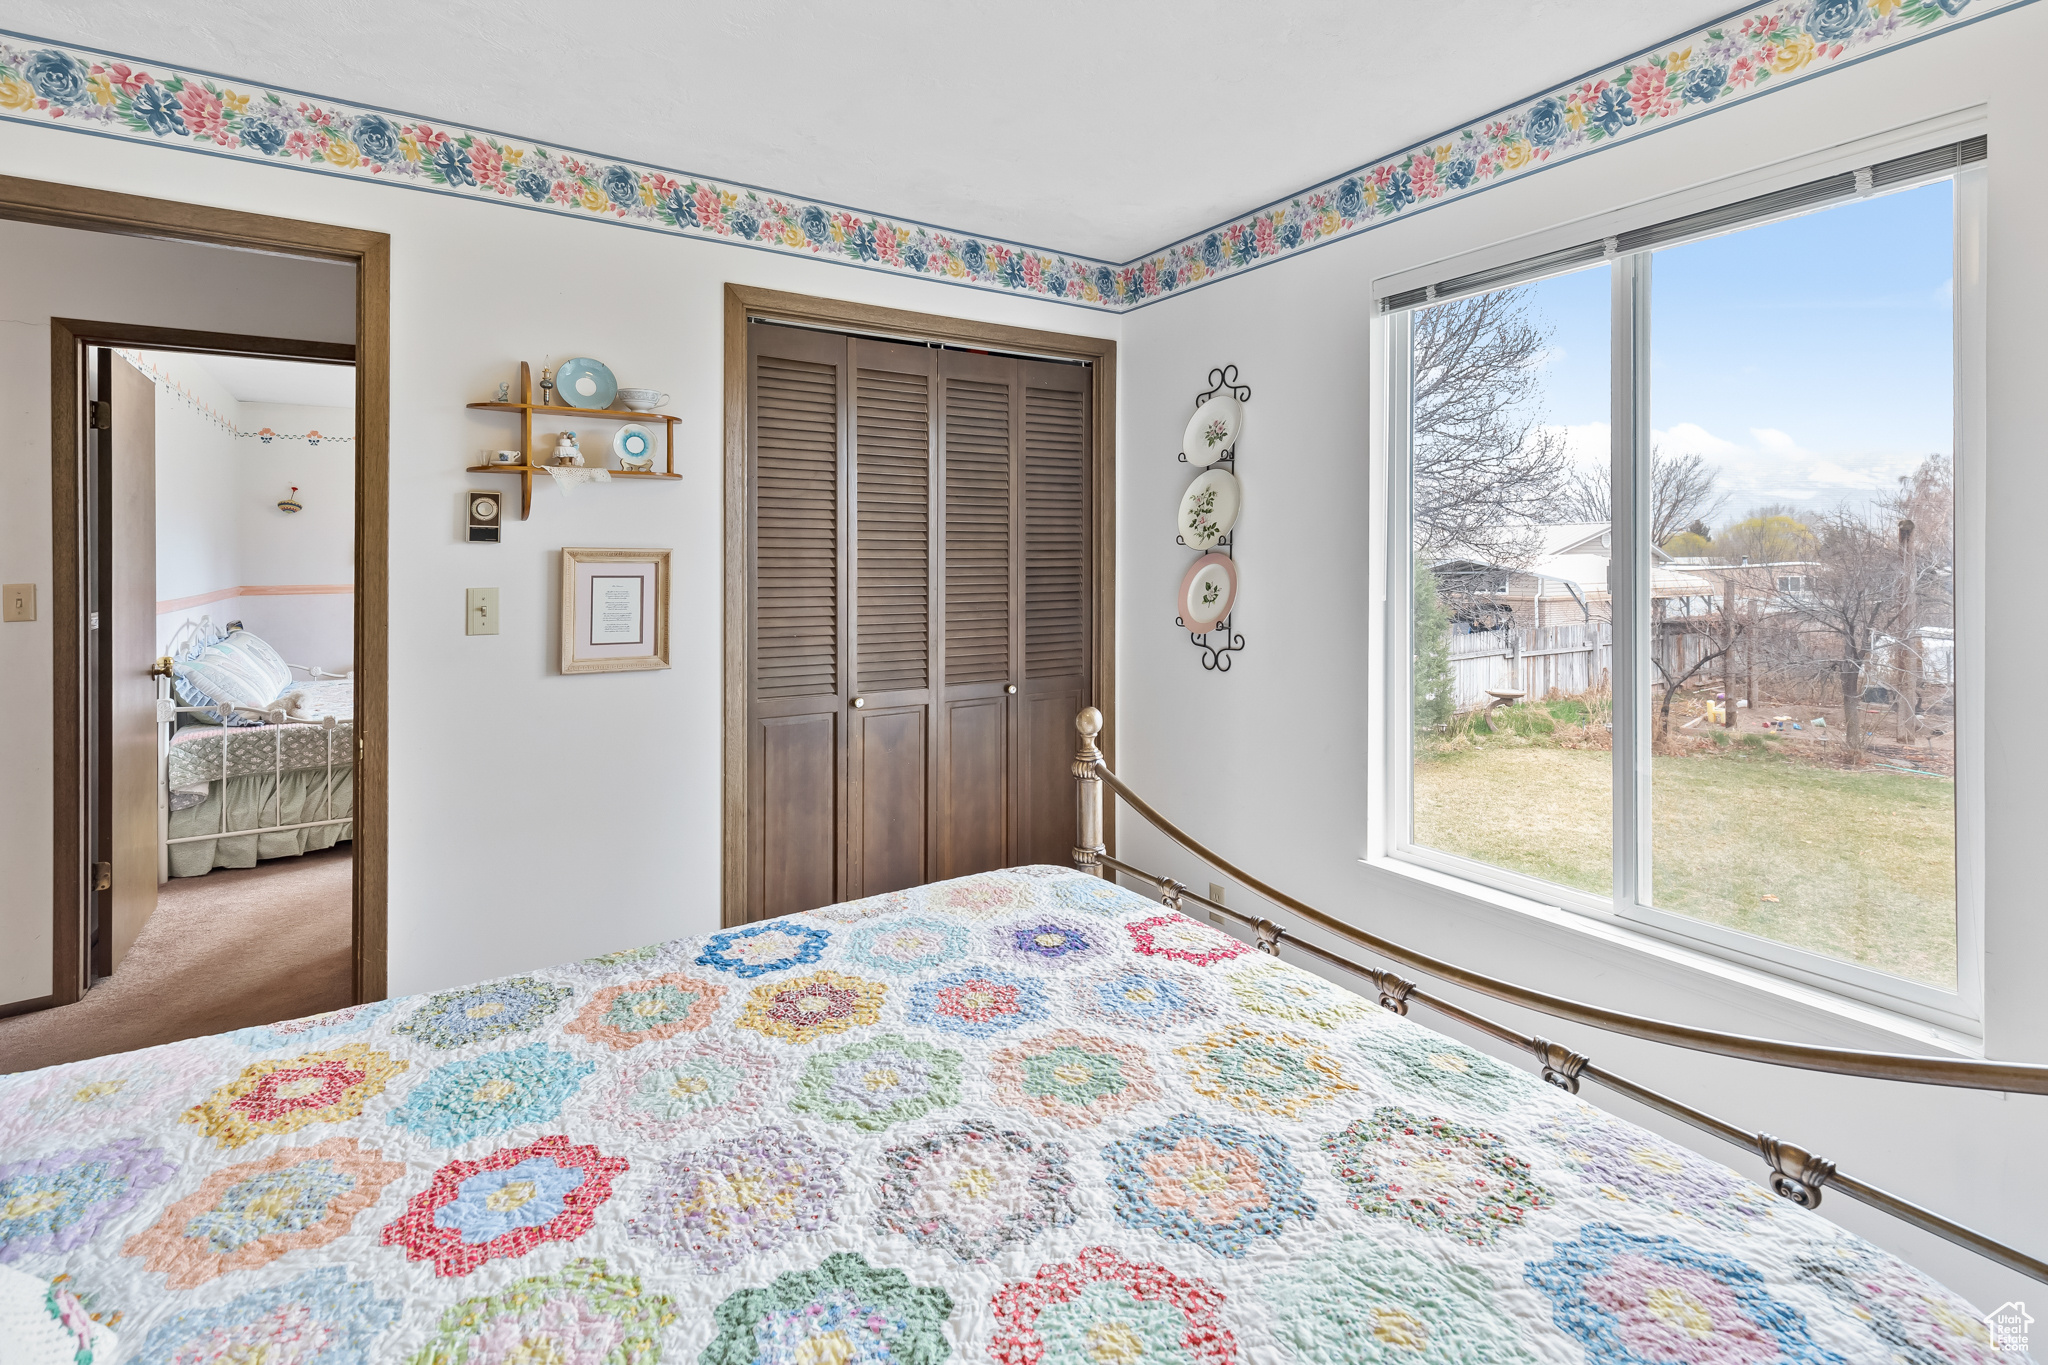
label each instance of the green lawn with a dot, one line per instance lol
(1862, 863)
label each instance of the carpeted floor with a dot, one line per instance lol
(228, 950)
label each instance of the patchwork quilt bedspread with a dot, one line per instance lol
(1020, 1117)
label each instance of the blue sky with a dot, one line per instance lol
(1809, 360)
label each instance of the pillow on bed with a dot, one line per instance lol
(238, 670)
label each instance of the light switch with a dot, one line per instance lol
(1216, 894)
(20, 601)
(483, 612)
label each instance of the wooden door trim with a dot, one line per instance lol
(743, 302)
(73, 206)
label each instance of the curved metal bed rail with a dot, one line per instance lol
(1795, 1173)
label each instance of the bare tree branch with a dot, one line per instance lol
(1715, 624)
(1857, 594)
(1486, 472)
(1683, 490)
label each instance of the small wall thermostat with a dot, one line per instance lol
(485, 511)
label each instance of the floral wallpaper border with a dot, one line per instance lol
(98, 93)
(163, 379)
(1750, 52)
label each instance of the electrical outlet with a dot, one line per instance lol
(1216, 894)
(19, 600)
(482, 616)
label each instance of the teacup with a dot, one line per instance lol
(504, 457)
(642, 400)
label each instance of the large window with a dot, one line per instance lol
(1681, 640)
(1508, 520)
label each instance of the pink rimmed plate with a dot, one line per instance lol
(1208, 591)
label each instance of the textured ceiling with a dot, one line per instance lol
(1102, 129)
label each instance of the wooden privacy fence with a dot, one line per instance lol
(1564, 661)
(1539, 661)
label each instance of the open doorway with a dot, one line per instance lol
(217, 538)
(216, 505)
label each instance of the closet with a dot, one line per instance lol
(920, 572)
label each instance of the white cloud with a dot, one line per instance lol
(1773, 466)
(1687, 438)
(1588, 444)
(1767, 466)
(1776, 443)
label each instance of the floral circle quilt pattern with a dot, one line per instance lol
(1024, 1117)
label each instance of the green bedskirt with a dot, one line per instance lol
(250, 806)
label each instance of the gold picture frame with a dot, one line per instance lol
(614, 610)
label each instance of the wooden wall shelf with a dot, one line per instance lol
(526, 408)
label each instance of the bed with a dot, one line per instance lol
(253, 763)
(293, 781)
(1024, 1117)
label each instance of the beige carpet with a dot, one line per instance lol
(228, 950)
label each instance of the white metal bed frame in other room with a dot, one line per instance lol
(167, 713)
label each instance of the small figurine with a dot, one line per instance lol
(547, 388)
(505, 392)
(567, 451)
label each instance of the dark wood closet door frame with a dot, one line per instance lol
(743, 302)
(71, 206)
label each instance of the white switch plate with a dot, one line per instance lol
(482, 606)
(19, 601)
(1216, 894)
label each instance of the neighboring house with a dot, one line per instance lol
(1566, 584)
(1774, 586)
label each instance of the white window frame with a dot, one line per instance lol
(1958, 1013)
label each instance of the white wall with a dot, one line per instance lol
(313, 629)
(1279, 777)
(220, 530)
(317, 544)
(534, 817)
(54, 272)
(198, 517)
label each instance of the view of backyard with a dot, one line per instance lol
(1795, 614)
(1854, 864)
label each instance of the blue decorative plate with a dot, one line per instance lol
(633, 442)
(585, 383)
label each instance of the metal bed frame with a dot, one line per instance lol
(1796, 1173)
(167, 713)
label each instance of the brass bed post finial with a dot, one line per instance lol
(1269, 937)
(1796, 1174)
(1394, 991)
(1561, 1065)
(1088, 791)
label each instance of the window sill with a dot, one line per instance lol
(1729, 983)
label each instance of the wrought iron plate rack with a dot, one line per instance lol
(1216, 654)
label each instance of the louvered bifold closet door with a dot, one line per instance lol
(889, 735)
(1056, 556)
(981, 414)
(920, 573)
(797, 542)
